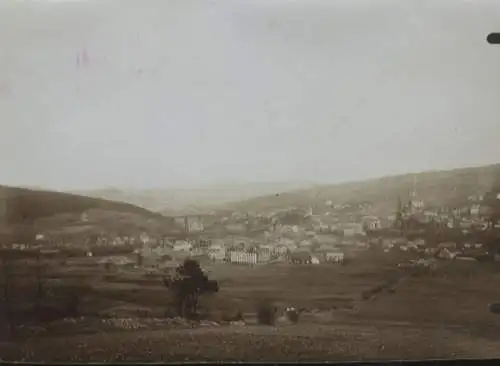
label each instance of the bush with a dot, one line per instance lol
(266, 313)
(292, 315)
(232, 315)
(109, 277)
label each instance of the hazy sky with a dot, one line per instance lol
(158, 93)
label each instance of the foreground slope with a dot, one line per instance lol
(300, 343)
(452, 187)
(338, 324)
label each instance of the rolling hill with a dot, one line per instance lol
(436, 188)
(23, 209)
(192, 200)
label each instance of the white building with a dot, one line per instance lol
(280, 250)
(238, 257)
(335, 257)
(418, 204)
(84, 217)
(353, 229)
(475, 209)
(196, 226)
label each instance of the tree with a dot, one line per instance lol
(187, 284)
(7, 278)
(7, 274)
(40, 281)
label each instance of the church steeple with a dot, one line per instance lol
(414, 191)
(413, 201)
(399, 214)
(399, 206)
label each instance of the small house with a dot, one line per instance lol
(447, 245)
(216, 245)
(182, 246)
(301, 257)
(280, 250)
(217, 253)
(266, 249)
(412, 245)
(420, 242)
(446, 254)
(334, 257)
(314, 260)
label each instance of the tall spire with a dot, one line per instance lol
(414, 193)
(399, 209)
(399, 216)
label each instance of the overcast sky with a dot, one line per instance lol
(161, 93)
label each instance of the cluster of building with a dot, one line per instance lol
(443, 250)
(300, 235)
(305, 243)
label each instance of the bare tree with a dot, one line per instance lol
(7, 285)
(40, 281)
(6, 266)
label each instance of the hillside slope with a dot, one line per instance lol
(25, 204)
(22, 210)
(451, 187)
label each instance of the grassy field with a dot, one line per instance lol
(368, 309)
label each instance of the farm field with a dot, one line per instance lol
(367, 309)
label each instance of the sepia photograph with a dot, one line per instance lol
(249, 180)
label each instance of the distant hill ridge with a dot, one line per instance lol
(451, 187)
(192, 200)
(446, 187)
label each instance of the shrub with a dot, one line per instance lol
(232, 315)
(266, 313)
(292, 315)
(109, 277)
